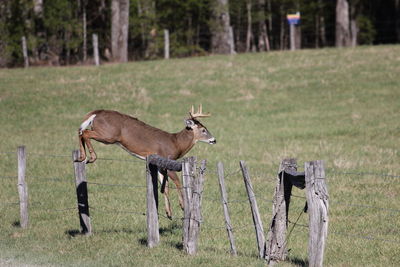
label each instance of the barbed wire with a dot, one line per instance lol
(116, 185)
(371, 238)
(334, 171)
(9, 177)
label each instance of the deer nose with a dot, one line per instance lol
(213, 141)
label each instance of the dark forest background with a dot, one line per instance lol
(58, 32)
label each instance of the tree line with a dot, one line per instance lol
(58, 32)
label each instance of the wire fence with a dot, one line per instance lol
(234, 202)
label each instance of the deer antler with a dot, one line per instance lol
(199, 113)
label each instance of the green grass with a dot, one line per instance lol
(339, 105)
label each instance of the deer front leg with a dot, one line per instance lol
(163, 177)
(176, 181)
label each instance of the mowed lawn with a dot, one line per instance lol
(338, 105)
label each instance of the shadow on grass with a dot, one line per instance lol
(297, 261)
(73, 233)
(16, 224)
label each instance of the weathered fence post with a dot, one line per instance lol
(224, 199)
(195, 209)
(276, 241)
(187, 174)
(153, 233)
(166, 44)
(192, 196)
(254, 210)
(82, 193)
(25, 52)
(22, 187)
(317, 201)
(96, 49)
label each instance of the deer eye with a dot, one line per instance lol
(204, 131)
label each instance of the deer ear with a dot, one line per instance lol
(190, 123)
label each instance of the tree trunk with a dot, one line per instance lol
(397, 7)
(119, 30)
(220, 27)
(282, 29)
(147, 9)
(249, 35)
(353, 25)
(84, 30)
(38, 7)
(342, 24)
(320, 39)
(263, 41)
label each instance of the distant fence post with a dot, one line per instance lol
(22, 187)
(96, 49)
(25, 52)
(153, 233)
(317, 201)
(276, 244)
(224, 199)
(193, 189)
(254, 210)
(82, 193)
(166, 44)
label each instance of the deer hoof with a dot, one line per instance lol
(91, 160)
(80, 159)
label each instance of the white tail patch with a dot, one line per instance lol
(87, 123)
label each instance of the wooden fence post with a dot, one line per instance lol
(187, 174)
(276, 241)
(192, 196)
(25, 52)
(153, 233)
(195, 209)
(254, 210)
(82, 193)
(96, 49)
(224, 199)
(317, 201)
(22, 187)
(166, 44)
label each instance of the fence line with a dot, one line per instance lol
(206, 224)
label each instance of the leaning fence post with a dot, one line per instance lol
(317, 201)
(224, 199)
(254, 210)
(82, 193)
(22, 187)
(276, 242)
(153, 233)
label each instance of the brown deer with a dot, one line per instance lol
(140, 140)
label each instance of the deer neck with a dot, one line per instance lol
(184, 141)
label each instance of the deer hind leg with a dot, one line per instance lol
(86, 136)
(82, 154)
(176, 181)
(163, 177)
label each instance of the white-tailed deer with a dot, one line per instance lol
(140, 139)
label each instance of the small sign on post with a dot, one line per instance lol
(293, 20)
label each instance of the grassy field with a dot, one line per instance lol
(341, 106)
